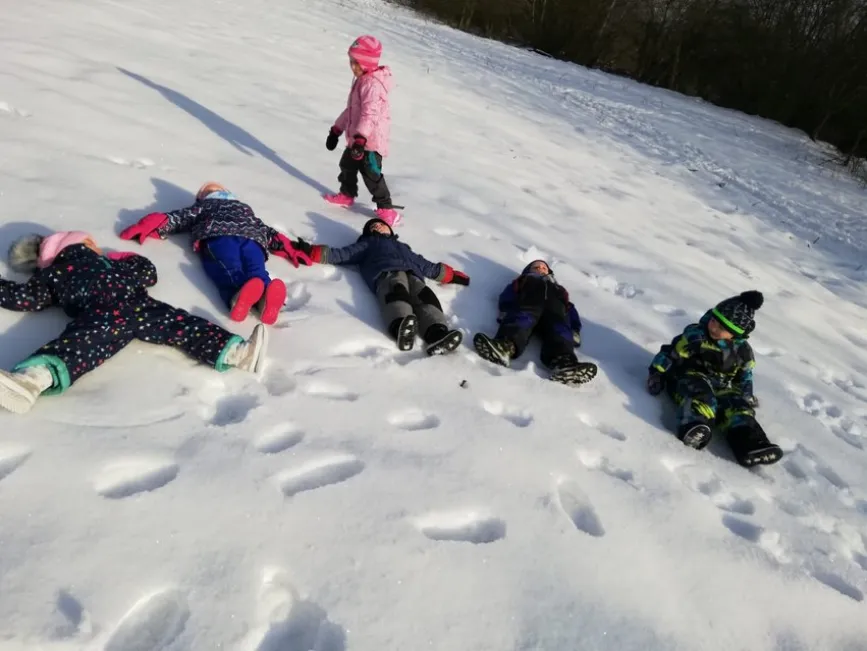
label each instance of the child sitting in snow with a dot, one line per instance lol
(106, 296)
(534, 303)
(233, 244)
(395, 273)
(708, 372)
(367, 123)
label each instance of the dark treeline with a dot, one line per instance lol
(800, 62)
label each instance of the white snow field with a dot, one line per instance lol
(355, 498)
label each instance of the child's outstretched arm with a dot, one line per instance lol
(352, 254)
(440, 271)
(683, 347)
(32, 296)
(743, 379)
(283, 247)
(137, 265)
(158, 225)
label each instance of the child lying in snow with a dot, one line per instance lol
(233, 244)
(708, 372)
(395, 273)
(106, 296)
(531, 304)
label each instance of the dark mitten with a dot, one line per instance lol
(332, 139)
(655, 383)
(356, 151)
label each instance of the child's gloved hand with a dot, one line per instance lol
(120, 255)
(753, 401)
(332, 139)
(283, 247)
(312, 251)
(655, 383)
(452, 276)
(358, 144)
(146, 227)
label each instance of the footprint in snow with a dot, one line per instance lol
(413, 420)
(279, 438)
(128, 477)
(231, 409)
(11, 459)
(805, 466)
(278, 382)
(330, 391)
(72, 620)
(297, 296)
(769, 541)
(593, 460)
(286, 622)
(462, 526)
(152, 624)
(577, 507)
(319, 473)
(838, 583)
(605, 430)
(518, 417)
(833, 418)
(706, 482)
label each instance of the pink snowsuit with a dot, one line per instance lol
(367, 111)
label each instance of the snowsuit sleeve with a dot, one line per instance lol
(681, 349)
(342, 120)
(138, 266)
(372, 97)
(181, 221)
(352, 254)
(743, 380)
(32, 296)
(433, 270)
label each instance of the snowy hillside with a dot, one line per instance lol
(355, 498)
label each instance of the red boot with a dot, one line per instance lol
(271, 304)
(246, 298)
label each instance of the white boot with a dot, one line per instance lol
(19, 390)
(249, 355)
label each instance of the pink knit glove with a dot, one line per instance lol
(146, 227)
(120, 255)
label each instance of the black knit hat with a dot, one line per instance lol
(368, 227)
(737, 314)
(547, 264)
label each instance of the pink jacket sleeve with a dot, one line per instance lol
(342, 119)
(372, 96)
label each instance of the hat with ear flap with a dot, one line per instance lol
(738, 313)
(23, 254)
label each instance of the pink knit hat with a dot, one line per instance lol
(365, 51)
(53, 244)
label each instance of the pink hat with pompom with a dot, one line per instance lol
(366, 51)
(52, 245)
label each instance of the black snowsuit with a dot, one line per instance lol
(109, 306)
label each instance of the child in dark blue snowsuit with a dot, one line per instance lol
(396, 273)
(708, 372)
(107, 299)
(233, 244)
(534, 303)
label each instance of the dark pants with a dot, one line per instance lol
(93, 338)
(400, 294)
(540, 311)
(699, 402)
(231, 261)
(370, 167)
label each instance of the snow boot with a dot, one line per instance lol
(246, 298)
(440, 340)
(249, 355)
(694, 435)
(404, 331)
(19, 390)
(569, 370)
(272, 302)
(751, 446)
(389, 215)
(498, 351)
(339, 199)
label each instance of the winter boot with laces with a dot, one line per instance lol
(249, 355)
(19, 390)
(694, 435)
(440, 340)
(498, 351)
(568, 370)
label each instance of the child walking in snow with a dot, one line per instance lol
(367, 123)
(395, 273)
(534, 303)
(233, 244)
(708, 372)
(106, 296)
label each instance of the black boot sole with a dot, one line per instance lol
(698, 437)
(581, 373)
(486, 350)
(447, 344)
(406, 332)
(762, 456)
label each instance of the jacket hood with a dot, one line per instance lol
(526, 269)
(383, 75)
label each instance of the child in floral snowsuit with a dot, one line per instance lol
(233, 244)
(106, 296)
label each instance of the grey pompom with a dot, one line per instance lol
(24, 253)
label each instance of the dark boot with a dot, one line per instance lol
(498, 351)
(566, 369)
(695, 435)
(440, 340)
(404, 331)
(751, 446)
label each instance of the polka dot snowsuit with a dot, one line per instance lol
(109, 305)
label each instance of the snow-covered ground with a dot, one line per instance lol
(355, 498)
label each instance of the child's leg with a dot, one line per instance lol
(84, 344)
(395, 301)
(432, 323)
(371, 172)
(348, 178)
(202, 340)
(696, 408)
(558, 346)
(221, 258)
(253, 261)
(747, 439)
